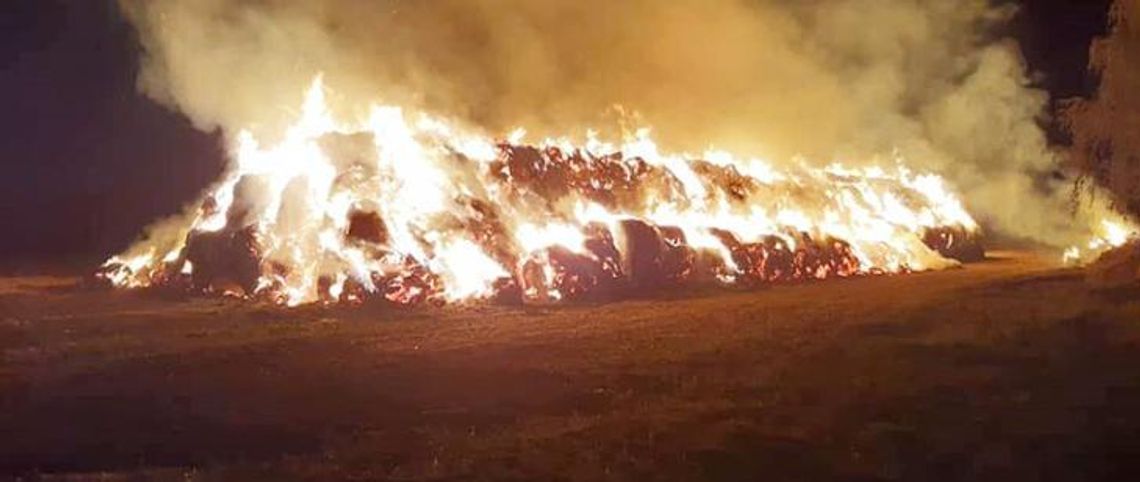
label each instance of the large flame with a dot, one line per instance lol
(410, 208)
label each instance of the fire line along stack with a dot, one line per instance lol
(407, 208)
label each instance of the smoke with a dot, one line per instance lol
(851, 80)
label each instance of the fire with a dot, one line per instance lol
(410, 208)
(1112, 233)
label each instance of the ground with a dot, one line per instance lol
(1010, 369)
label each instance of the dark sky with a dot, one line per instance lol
(87, 162)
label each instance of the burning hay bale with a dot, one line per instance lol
(613, 180)
(225, 261)
(955, 242)
(367, 227)
(772, 259)
(656, 258)
(410, 213)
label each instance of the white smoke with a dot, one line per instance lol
(925, 80)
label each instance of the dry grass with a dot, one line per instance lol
(1005, 370)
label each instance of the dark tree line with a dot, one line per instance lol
(1105, 129)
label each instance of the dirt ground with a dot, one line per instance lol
(1011, 369)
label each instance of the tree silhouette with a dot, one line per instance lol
(1106, 128)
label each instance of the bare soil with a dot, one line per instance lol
(1009, 369)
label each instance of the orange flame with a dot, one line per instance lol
(456, 215)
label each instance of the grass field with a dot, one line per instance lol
(1010, 369)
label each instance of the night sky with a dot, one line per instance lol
(87, 162)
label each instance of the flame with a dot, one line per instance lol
(411, 207)
(1111, 233)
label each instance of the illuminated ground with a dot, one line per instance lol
(1005, 370)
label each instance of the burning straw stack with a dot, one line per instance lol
(630, 257)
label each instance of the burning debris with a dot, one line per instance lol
(1115, 231)
(415, 212)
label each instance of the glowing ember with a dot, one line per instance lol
(413, 210)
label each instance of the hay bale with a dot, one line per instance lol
(655, 257)
(956, 242)
(225, 260)
(367, 227)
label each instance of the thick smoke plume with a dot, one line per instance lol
(927, 80)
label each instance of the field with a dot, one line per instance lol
(1009, 369)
